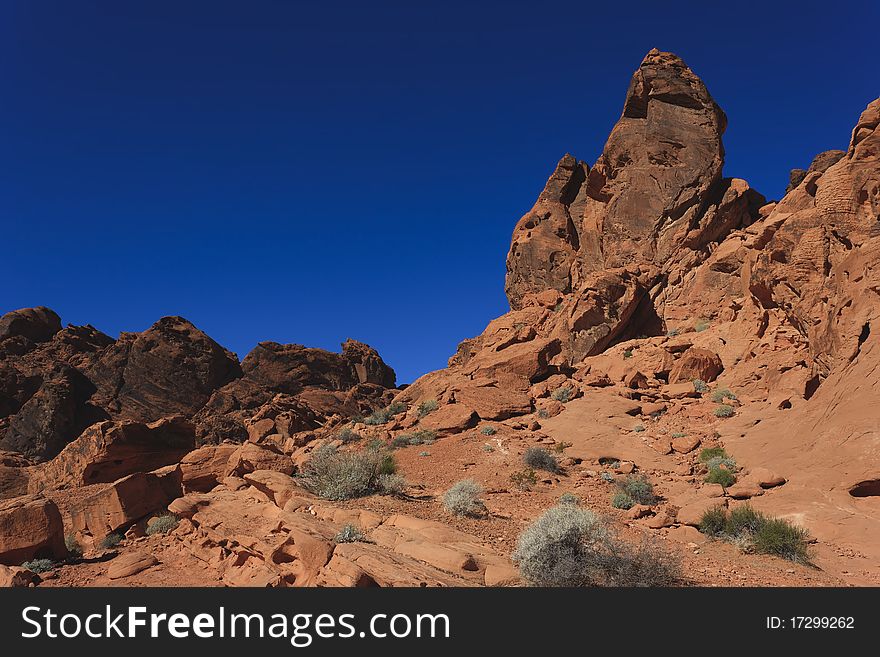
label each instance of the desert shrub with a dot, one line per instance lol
(713, 521)
(645, 564)
(724, 410)
(720, 476)
(422, 437)
(628, 353)
(426, 407)
(72, 545)
(755, 532)
(571, 546)
(557, 549)
(560, 447)
(569, 498)
(563, 394)
(671, 333)
(639, 428)
(679, 434)
(710, 453)
(336, 475)
(743, 519)
(700, 386)
(725, 462)
(557, 307)
(622, 501)
(400, 441)
(524, 479)
(463, 498)
(488, 448)
(162, 524)
(638, 489)
(424, 453)
(112, 540)
(349, 534)
(543, 414)
(488, 431)
(540, 459)
(781, 538)
(391, 484)
(383, 415)
(701, 325)
(347, 435)
(720, 395)
(39, 565)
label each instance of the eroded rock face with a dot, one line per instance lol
(656, 188)
(109, 450)
(290, 368)
(170, 369)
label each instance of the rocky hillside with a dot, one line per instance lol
(675, 345)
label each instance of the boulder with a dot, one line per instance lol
(17, 577)
(125, 501)
(494, 403)
(203, 468)
(450, 419)
(250, 457)
(696, 363)
(130, 564)
(30, 528)
(109, 450)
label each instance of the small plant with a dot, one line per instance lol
(556, 549)
(422, 437)
(39, 565)
(72, 545)
(336, 475)
(639, 428)
(110, 541)
(560, 447)
(350, 534)
(569, 498)
(701, 325)
(488, 430)
(679, 434)
(463, 498)
(700, 386)
(724, 462)
(720, 476)
(400, 441)
(540, 459)
(622, 501)
(426, 407)
(724, 410)
(708, 453)
(743, 519)
(557, 307)
(713, 521)
(671, 333)
(347, 435)
(543, 414)
(391, 484)
(162, 524)
(563, 394)
(639, 489)
(524, 479)
(628, 353)
(488, 448)
(719, 396)
(755, 532)
(424, 453)
(571, 546)
(383, 415)
(782, 539)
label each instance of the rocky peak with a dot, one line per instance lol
(655, 190)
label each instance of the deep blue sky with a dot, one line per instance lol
(307, 172)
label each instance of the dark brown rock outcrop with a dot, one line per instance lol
(170, 369)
